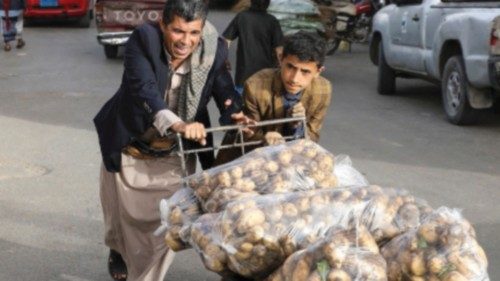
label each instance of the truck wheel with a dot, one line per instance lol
(386, 84)
(111, 51)
(84, 21)
(454, 88)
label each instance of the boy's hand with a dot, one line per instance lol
(272, 138)
(241, 119)
(298, 110)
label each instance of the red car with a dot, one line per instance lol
(81, 10)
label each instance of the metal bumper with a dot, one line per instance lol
(113, 38)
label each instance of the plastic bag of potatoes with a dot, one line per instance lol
(253, 236)
(443, 247)
(293, 166)
(177, 213)
(343, 255)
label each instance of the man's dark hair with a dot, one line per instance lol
(260, 5)
(306, 46)
(189, 10)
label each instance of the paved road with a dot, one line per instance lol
(51, 225)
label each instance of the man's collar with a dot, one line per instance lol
(185, 66)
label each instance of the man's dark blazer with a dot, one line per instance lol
(130, 112)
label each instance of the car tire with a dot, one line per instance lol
(111, 51)
(84, 22)
(454, 91)
(386, 82)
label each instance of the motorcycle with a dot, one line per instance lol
(349, 22)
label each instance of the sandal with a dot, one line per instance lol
(20, 43)
(7, 47)
(116, 266)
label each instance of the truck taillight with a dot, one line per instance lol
(495, 37)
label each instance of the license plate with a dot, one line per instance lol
(48, 3)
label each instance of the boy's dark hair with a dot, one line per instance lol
(260, 5)
(189, 10)
(306, 46)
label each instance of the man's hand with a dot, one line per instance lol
(273, 138)
(241, 119)
(192, 131)
(298, 110)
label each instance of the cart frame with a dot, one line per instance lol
(240, 140)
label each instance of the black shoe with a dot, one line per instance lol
(20, 43)
(116, 266)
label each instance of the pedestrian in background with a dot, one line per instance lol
(11, 23)
(259, 40)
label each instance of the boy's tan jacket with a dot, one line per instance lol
(263, 100)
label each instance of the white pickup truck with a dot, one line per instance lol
(452, 42)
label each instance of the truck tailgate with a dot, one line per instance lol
(127, 14)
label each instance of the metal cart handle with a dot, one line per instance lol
(182, 153)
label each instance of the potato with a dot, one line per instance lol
(290, 210)
(214, 265)
(203, 192)
(271, 243)
(318, 175)
(310, 152)
(236, 172)
(241, 256)
(289, 245)
(338, 275)
(314, 276)
(325, 161)
(250, 218)
(454, 276)
(428, 231)
(301, 270)
(465, 265)
(215, 252)
(246, 247)
(409, 214)
(417, 265)
(436, 264)
(260, 250)
(394, 271)
(271, 167)
(255, 234)
(224, 179)
(285, 157)
(336, 256)
(173, 243)
(275, 214)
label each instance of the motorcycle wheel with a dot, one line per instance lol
(332, 45)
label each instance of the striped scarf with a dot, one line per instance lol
(192, 85)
